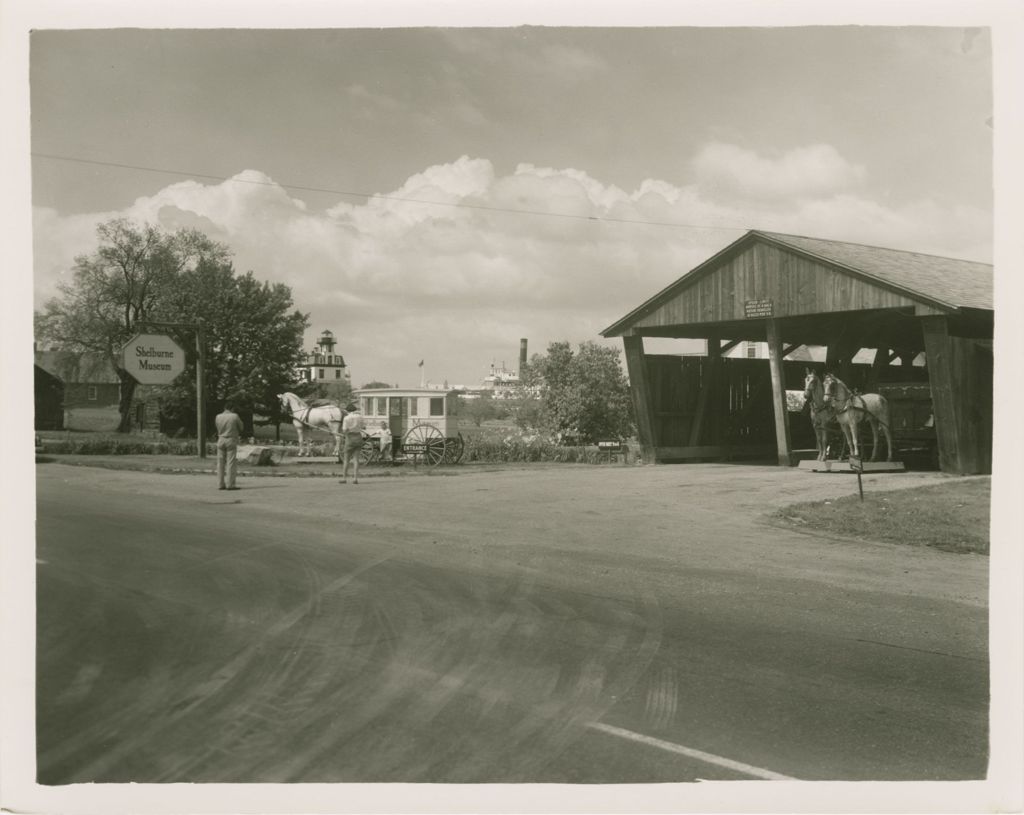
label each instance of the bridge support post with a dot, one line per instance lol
(636, 368)
(779, 393)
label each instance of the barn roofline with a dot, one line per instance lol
(752, 236)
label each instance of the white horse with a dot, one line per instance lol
(320, 417)
(822, 414)
(851, 409)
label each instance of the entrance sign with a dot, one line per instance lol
(153, 359)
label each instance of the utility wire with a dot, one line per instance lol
(367, 195)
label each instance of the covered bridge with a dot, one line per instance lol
(790, 292)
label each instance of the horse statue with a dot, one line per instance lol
(313, 417)
(851, 409)
(822, 414)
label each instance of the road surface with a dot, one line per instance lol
(558, 624)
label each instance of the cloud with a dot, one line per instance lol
(725, 171)
(459, 262)
(570, 63)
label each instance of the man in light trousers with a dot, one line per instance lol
(352, 430)
(229, 428)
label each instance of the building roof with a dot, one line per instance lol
(71, 368)
(405, 391)
(957, 283)
(949, 283)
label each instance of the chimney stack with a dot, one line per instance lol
(522, 356)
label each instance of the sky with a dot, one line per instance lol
(439, 193)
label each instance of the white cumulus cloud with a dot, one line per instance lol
(728, 171)
(542, 253)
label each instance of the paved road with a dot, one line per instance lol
(575, 624)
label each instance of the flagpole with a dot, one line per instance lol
(423, 379)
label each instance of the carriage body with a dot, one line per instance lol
(424, 422)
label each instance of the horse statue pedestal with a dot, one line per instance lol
(836, 466)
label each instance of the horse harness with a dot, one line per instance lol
(848, 404)
(309, 409)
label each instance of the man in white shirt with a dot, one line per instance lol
(229, 428)
(352, 430)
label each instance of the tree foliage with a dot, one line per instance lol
(336, 392)
(479, 409)
(582, 394)
(142, 274)
(253, 341)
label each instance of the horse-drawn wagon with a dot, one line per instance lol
(913, 420)
(423, 424)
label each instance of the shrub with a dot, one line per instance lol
(494, 448)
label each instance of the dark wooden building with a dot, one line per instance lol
(790, 292)
(49, 400)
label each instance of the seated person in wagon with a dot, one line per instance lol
(384, 434)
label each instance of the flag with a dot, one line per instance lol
(421, 364)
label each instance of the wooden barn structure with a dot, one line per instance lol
(790, 291)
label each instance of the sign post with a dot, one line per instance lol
(156, 359)
(857, 465)
(201, 388)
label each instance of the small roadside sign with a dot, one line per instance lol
(857, 465)
(153, 359)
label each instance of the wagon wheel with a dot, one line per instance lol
(427, 441)
(454, 446)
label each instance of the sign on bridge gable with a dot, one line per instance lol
(153, 359)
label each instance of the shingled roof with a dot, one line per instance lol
(949, 284)
(69, 367)
(957, 283)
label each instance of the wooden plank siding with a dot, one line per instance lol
(737, 399)
(796, 286)
(960, 375)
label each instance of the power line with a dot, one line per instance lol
(369, 195)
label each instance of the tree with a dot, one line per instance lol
(477, 410)
(140, 274)
(117, 288)
(253, 342)
(583, 394)
(337, 392)
(375, 384)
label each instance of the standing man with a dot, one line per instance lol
(229, 428)
(352, 430)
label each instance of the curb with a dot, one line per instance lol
(243, 472)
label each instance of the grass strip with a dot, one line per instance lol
(953, 517)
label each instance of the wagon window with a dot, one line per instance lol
(396, 407)
(364, 405)
(381, 406)
(413, 406)
(437, 406)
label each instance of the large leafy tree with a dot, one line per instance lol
(116, 289)
(253, 341)
(140, 274)
(583, 393)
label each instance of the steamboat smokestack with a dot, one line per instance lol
(522, 356)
